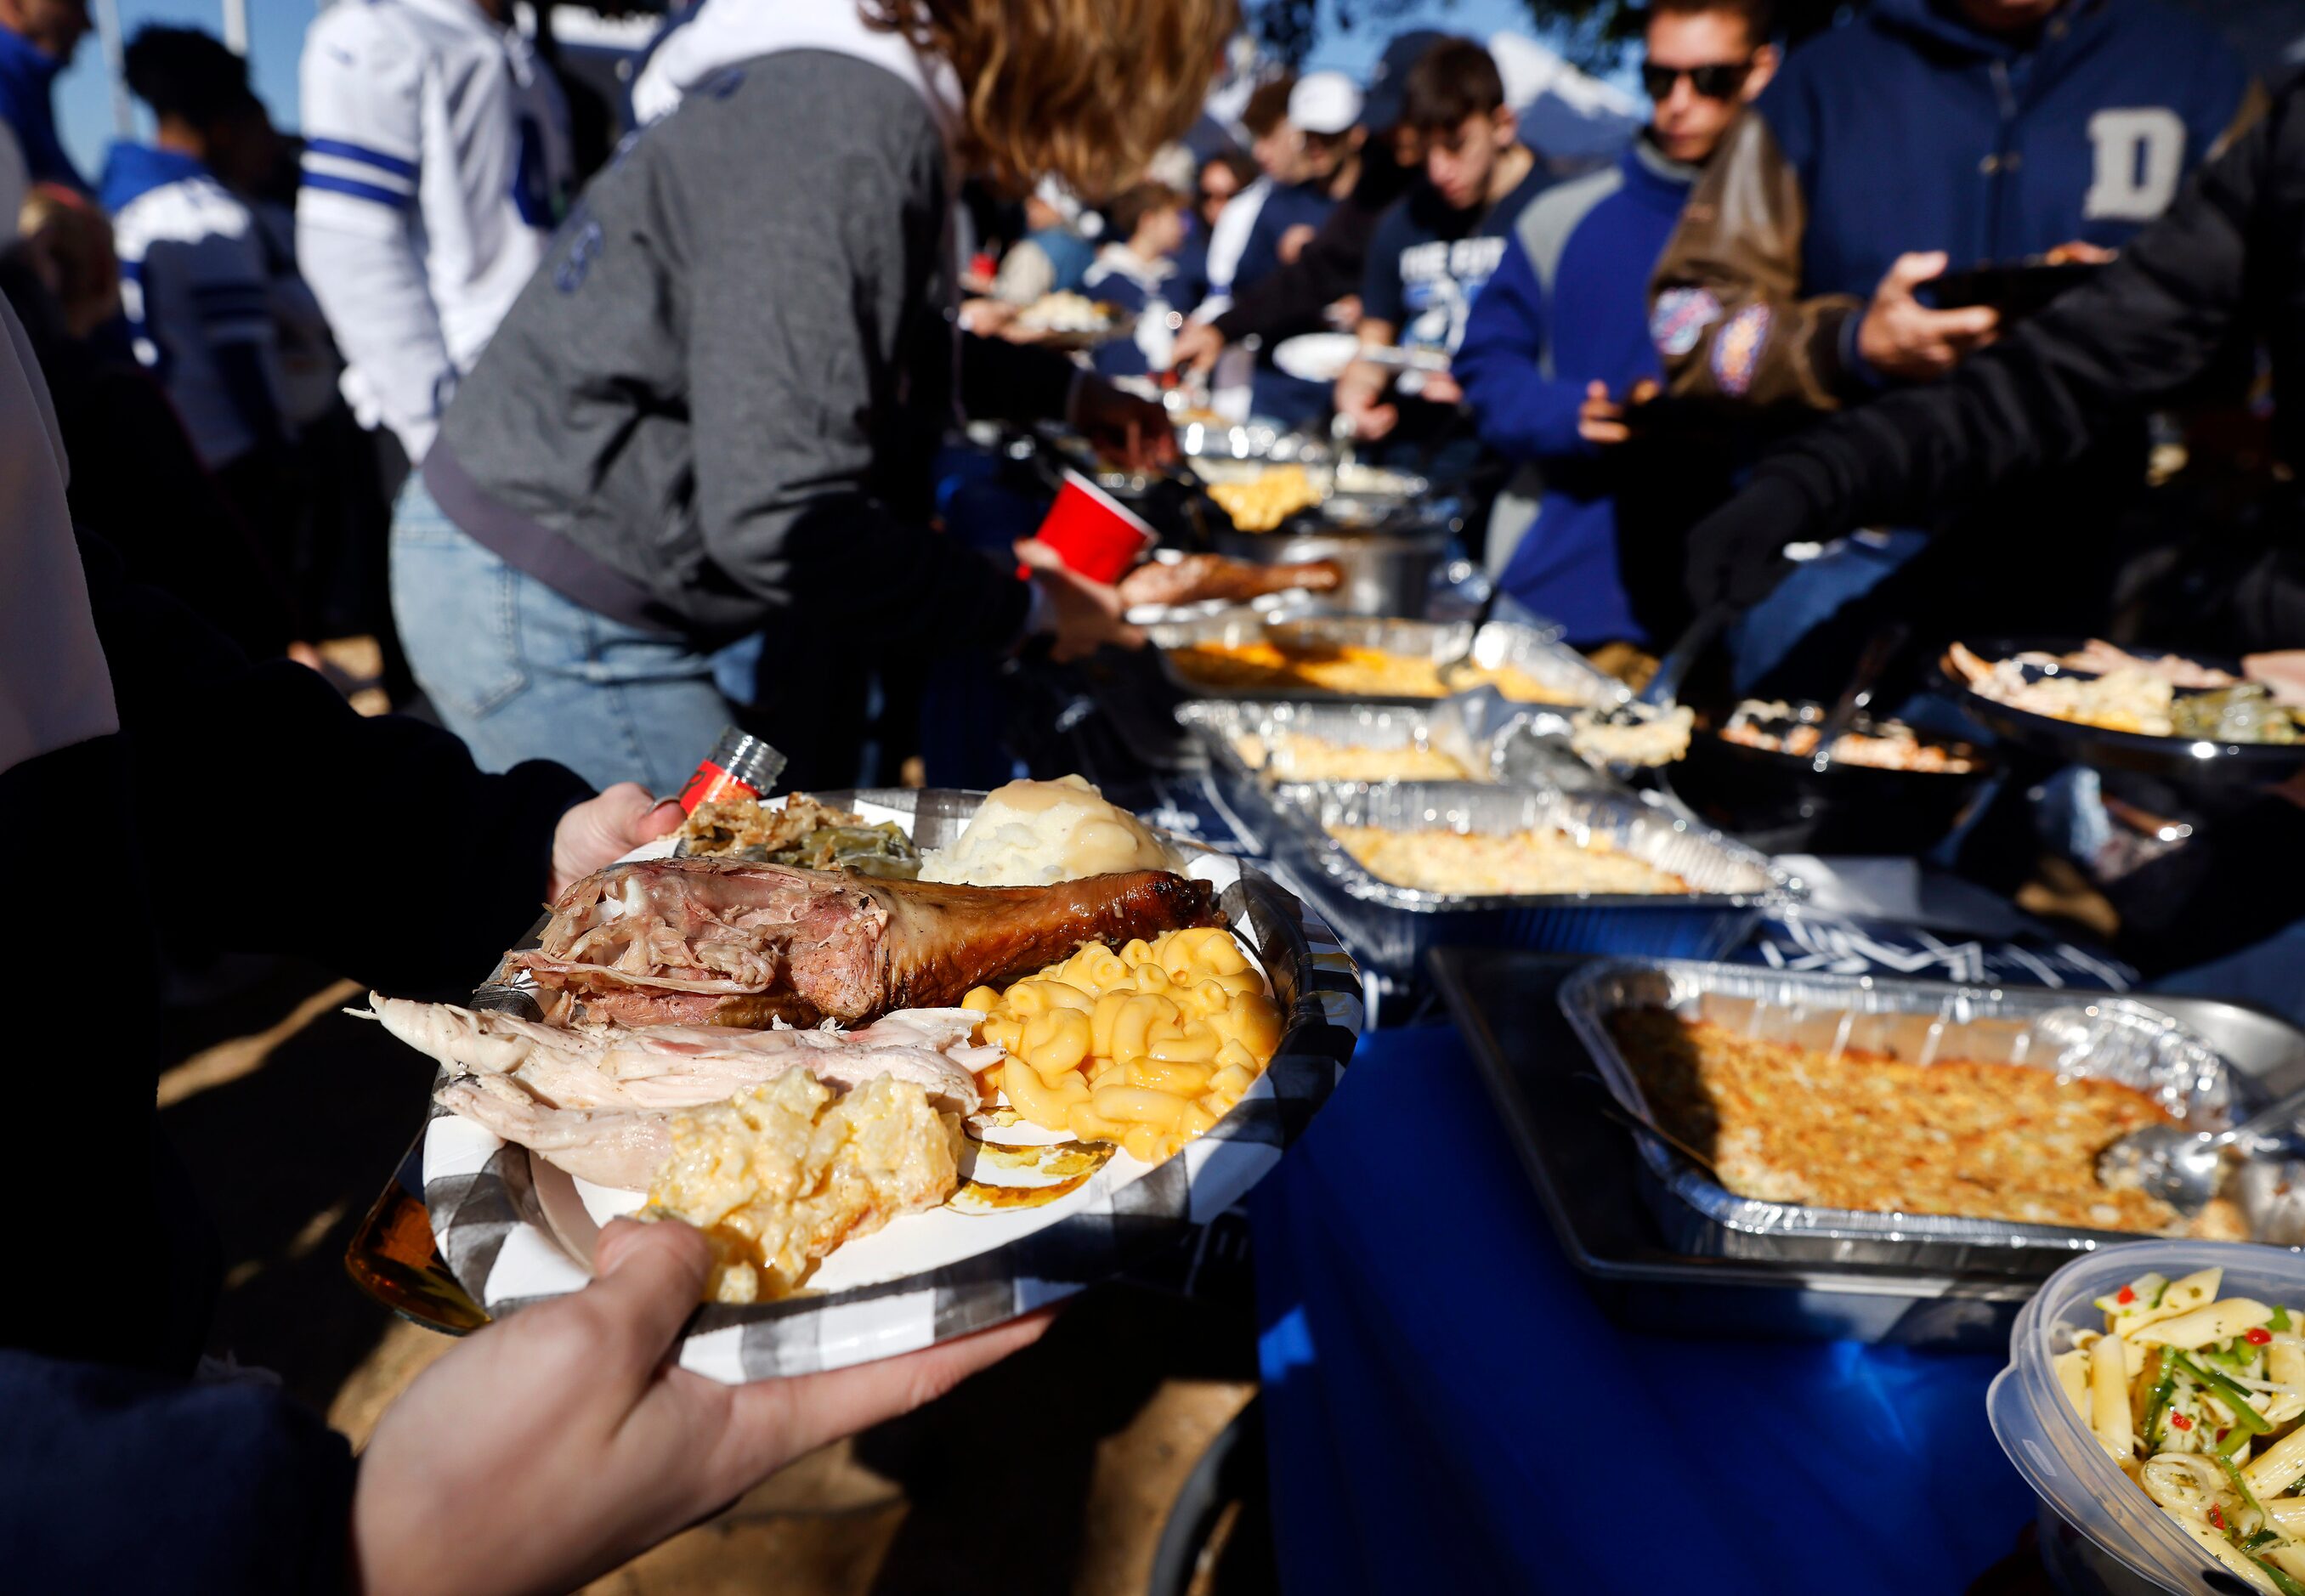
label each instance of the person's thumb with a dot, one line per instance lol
(634, 813)
(647, 1280)
(1039, 555)
(1597, 390)
(1908, 272)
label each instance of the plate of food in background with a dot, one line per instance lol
(1071, 321)
(1884, 787)
(2187, 718)
(1005, 1046)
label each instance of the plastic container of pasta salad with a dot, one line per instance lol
(2100, 1533)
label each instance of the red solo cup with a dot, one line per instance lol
(1093, 532)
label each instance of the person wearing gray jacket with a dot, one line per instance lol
(710, 414)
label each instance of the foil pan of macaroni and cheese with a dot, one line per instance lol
(1368, 659)
(1401, 866)
(1253, 746)
(1811, 1107)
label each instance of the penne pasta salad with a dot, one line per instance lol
(2198, 1397)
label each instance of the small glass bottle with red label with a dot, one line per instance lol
(740, 766)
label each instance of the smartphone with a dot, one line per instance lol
(2017, 288)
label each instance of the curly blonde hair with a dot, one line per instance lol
(1085, 91)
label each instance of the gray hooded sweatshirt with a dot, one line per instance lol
(715, 404)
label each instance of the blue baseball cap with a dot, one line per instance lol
(1383, 106)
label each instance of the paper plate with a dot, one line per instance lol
(1316, 357)
(516, 1230)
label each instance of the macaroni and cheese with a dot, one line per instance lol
(1147, 1047)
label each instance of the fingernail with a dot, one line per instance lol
(663, 807)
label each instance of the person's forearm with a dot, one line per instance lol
(395, 803)
(1292, 297)
(373, 292)
(1013, 382)
(845, 558)
(1525, 417)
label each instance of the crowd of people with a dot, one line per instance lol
(613, 457)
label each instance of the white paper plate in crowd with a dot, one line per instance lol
(1316, 357)
(1323, 357)
(515, 1230)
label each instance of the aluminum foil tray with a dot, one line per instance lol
(2091, 1035)
(1247, 440)
(1392, 926)
(1539, 653)
(1480, 730)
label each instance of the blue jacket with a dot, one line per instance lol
(2084, 135)
(1568, 306)
(28, 77)
(1907, 129)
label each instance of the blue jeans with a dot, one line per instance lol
(520, 672)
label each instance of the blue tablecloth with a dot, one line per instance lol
(1448, 1410)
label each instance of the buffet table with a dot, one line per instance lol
(1448, 1408)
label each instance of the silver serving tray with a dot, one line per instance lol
(1248, 440)
(2094, 1035)
(1484, 731)
(1393, 925)
(1488, 733)
(1540, 653)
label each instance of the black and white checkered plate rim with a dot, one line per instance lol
(494, 1235)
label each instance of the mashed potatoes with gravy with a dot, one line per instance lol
(1037, 833)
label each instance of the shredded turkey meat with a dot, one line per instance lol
(727, 942)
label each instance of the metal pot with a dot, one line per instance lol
(1386, 574)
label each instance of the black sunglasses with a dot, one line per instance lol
(1720, 80)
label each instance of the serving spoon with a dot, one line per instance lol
(1611, 1109)
(1857, 696)
(2180, 1167)
(1665, 686)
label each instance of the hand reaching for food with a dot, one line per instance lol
(1135, 431)
(1197, 347)
(1360, 400)
(1198, 578)
(551, 1447)
(1087, 615)
(601, 830)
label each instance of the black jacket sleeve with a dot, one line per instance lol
(2143, 329)
(113, 1480)
(373, 844)
(1000, 381)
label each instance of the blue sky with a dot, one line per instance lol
(276, 32)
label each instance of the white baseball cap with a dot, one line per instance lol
(1324, 102)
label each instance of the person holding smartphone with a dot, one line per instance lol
(1918, 136)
